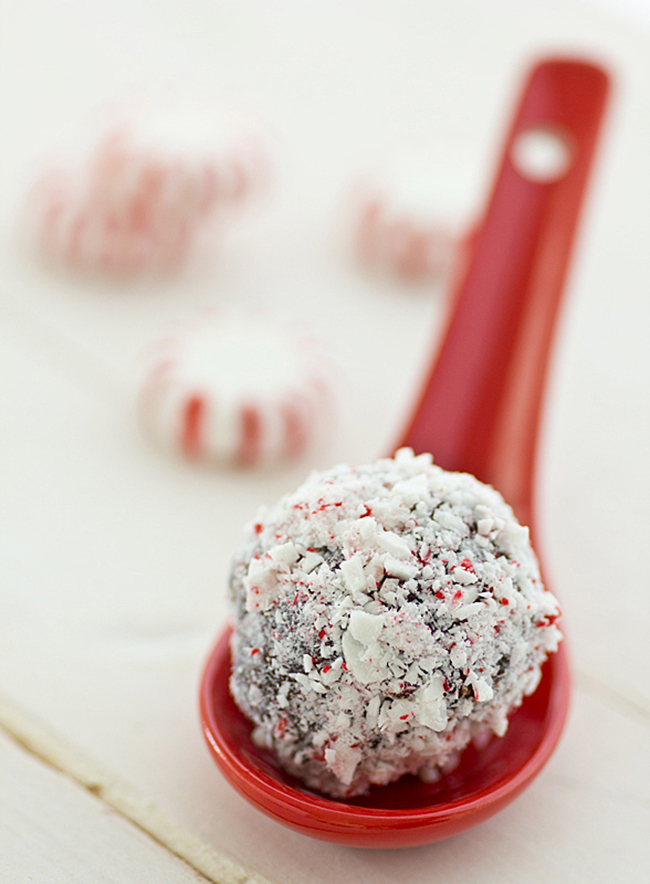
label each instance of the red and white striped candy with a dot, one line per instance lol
(70, 230)
(150, 186)
(236, 390)
(389, 240)
(407, 223)
(178, 164)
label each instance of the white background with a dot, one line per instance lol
(114, 556)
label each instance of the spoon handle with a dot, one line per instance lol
(480, 408)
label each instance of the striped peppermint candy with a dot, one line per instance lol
(178, 164)
(70, 230)
(409, 220)
(141, 198)
(240, 390)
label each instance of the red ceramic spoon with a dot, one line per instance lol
(479, 412)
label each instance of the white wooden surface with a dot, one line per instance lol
(114, 557)
(51, 827)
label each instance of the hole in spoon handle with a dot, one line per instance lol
(479, 410)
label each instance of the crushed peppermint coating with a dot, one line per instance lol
(385, 616)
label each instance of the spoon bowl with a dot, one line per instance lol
(408, 812)
(478, 412)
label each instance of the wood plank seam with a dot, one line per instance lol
(121, 797)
